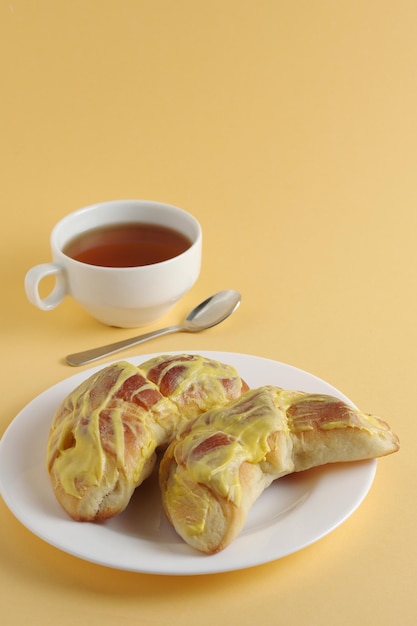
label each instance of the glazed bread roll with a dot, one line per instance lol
(220, 463)
(104, 436)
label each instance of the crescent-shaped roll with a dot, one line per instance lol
(220, 463)
(104, 436)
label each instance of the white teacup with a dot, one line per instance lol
(119, 296)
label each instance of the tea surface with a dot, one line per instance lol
(127, 245)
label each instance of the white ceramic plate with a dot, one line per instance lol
(291, 514)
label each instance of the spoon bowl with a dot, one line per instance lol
(209, 313)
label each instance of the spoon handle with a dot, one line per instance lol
(81, 358)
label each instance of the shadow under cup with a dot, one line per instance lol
(127, 297)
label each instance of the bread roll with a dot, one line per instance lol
(104, 436)
(220, 463)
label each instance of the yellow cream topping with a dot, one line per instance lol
(75, 445)
(221, 440)
(214, 448)
(80, 457)
(200, 383)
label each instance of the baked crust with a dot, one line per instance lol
(104, 436)
(220, 463)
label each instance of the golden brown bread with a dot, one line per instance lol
(220, 462)
(104, 436)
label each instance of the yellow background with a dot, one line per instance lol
(289, 129)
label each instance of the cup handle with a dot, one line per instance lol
(34, 277)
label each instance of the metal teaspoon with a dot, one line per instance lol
(208, 313)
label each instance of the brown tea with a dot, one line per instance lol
(127, 245)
